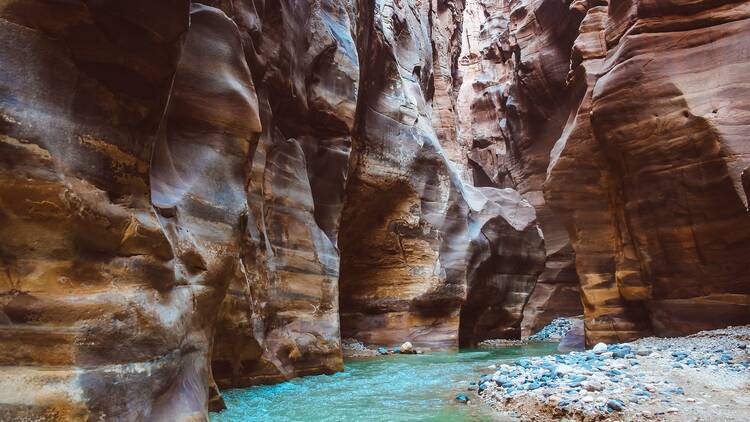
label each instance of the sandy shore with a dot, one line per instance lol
(703, 377)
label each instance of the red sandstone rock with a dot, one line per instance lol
(174, 180)
(512, 101)
(648, 172)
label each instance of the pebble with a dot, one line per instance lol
(462, 398)
(599, 348)
(616, 405)
(555, 330)
(608, 378)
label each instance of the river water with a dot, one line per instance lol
(386, 388)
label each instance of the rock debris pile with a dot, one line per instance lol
(649, 378)
(554, 331)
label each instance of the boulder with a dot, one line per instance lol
(574, 339)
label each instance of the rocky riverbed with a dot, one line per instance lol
(554, 332)
(702, 377)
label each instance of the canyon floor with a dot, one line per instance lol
(702, 377)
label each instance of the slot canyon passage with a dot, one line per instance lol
(207, 204)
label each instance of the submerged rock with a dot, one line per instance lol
(462, 398)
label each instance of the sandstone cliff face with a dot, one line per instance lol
(513, 107)
(410, 224)
(664, 248)
(281, 319)
(122, 194)
(178, 180)
(644, 103)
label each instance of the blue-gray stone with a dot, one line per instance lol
(615, 404)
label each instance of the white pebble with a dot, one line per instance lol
(600, 348)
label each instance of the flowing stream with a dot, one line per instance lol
(386, 388)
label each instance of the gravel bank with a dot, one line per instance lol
(703, 377)
(352, 348)
(554, 331)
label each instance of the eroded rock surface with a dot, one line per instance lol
(628, 116)
(281, 320)
(121, 200)
(178, 180)
(411, 225)
(673, 219)
(512, 105)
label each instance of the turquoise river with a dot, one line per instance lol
(387, 388)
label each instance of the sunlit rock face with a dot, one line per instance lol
(512, 107)
(630, 118)
(178, 180)
(281, 320)
(663, 236)
(122, 192)
(412, 228)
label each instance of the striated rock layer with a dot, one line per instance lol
(121, 203)
(415, 238)
(183, 182)
(514, 64)
(633, 114)
(665, 248)
(281, 319)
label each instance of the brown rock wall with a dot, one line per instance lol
(411, 225)
(178, 181)
(281, 320)
(661, 244)
(513, 101)
(117, 240)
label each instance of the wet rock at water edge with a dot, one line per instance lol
(599, 348)
(407, 349)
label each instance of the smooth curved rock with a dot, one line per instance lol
(514, 63)
(117, 242)
(410, 219)
(281, 320)
(652, 186)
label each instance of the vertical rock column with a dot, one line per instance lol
(513, 101)
(281, 320)
(581, 188)
(425, 256)
(664, 246)
(125, 131)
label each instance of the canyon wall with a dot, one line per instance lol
(669, 156)
(410, 223)
(120, 205)
(512, 108)
(281, 319)
(182, 184)
(631, 116)
(203, 195)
